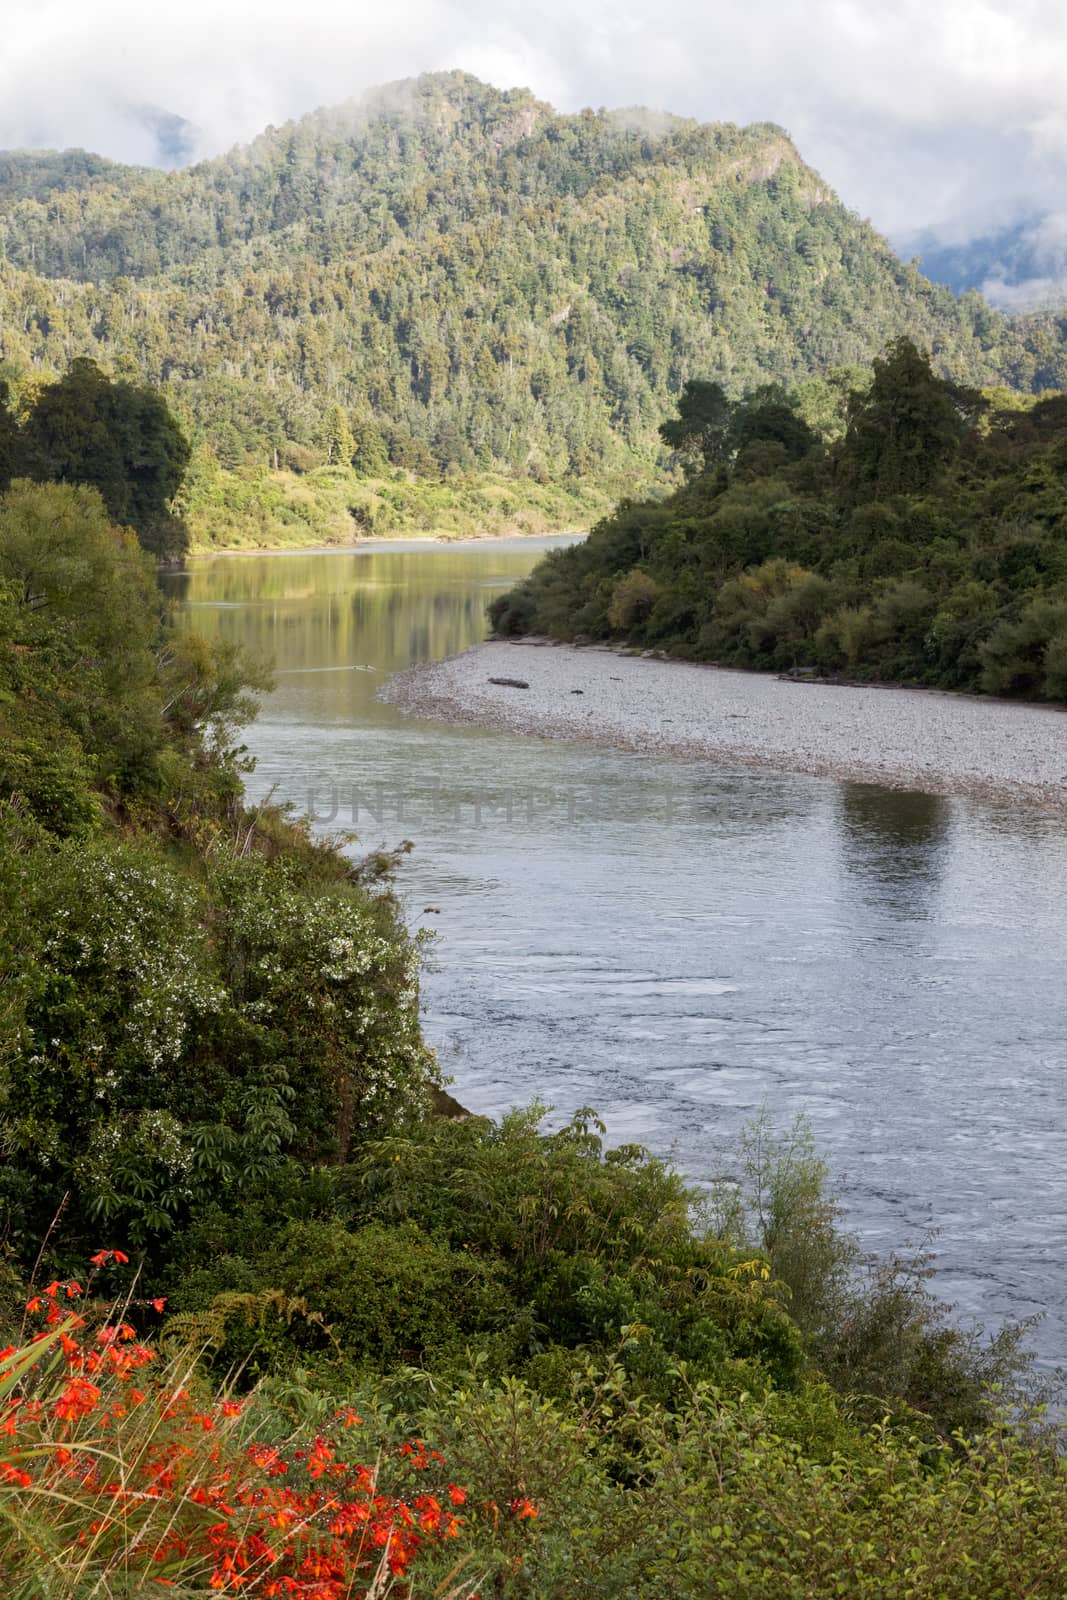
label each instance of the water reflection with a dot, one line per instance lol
(368, 607)
(894, 845)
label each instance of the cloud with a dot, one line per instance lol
(1035, 294)
(1032, 274)
(914, 109)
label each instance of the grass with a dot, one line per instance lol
(261, 509)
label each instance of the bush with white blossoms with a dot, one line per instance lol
(173, 1037)
(334, 970)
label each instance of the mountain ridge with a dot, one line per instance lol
(478, 282)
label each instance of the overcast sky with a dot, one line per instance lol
(918, 111)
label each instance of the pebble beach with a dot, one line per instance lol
(902, 738)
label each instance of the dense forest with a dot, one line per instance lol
(278, 1318)
(447, 281)
(927, 545)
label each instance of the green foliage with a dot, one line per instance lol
(79, 619)
(522, 1247)
(767, 422)
(391, 1295)
(874, 1330)
(333, 505)
(9, 438)
(1028, 655)
(632, 599)
(751, 1496)
(702, 429)
(904, 431)
(120, 439)
(337, 439)
(454, 280)
(197, 997)
(175, 1039)
(928, 544)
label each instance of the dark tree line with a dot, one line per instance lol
(927, 544)
(117, 437)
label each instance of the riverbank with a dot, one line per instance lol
(333, 508)
(400, 541)
(899, 738)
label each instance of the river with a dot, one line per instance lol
(680, 945)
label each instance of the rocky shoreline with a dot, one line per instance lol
(900, 738)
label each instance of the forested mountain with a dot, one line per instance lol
(450, 278)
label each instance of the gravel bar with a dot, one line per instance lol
(900, 738)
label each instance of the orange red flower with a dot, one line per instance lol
(245, 1515)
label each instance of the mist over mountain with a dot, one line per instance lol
(175, 136)
(1021, 266)
(474, 280)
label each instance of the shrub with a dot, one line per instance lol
(157, 1069)
(845, 636)
(376, 1296)
(874, 1330)
(1017, 656)
(632, 599)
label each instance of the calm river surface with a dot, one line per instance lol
(678, 944)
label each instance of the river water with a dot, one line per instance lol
(679, 944)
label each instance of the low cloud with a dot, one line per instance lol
(1034, 275)
(1033, 294)
(914, 111)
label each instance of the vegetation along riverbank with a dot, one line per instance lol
(270, 1325)
(927, 545)
(86, 427)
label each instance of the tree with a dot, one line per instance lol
(10, 441)
(768, 417)
(905, 431)
(370, 457)
(118, 438)
(337, 440)
(83, 623)
(155, 457)
(701, 430)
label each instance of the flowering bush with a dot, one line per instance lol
(332, 971)
(111, 1467)
(171, 1039)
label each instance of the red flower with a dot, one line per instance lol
(78, 1399)
(102, 1257)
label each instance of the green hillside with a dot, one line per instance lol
(447, 279)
